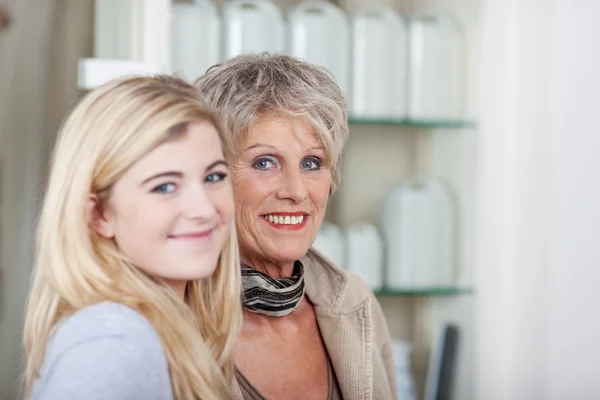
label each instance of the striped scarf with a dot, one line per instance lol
(272, 297)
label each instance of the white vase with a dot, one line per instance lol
(319, 32)
(364, 249)
(418, 229)
(379, 60)
(252, 26)
(402, 352)
(437, 67)
(330, 242)
(195, 38)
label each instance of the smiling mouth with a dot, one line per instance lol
(288, 221)
(192, 235)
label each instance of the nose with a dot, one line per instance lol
(197, 204)
(292, 186)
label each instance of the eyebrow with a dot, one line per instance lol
(177, 174)
(216, 163)
(257, 145)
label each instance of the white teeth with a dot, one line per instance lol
(287, 220)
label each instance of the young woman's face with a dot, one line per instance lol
(171, 212)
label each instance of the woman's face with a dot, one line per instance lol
(281, 183)
(171, 212)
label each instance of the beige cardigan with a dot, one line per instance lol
(353, 328)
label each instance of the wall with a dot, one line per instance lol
(23, 118)
(38, 64)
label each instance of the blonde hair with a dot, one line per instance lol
(111, 129)
(249, 86)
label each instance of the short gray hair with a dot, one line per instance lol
(249, 86)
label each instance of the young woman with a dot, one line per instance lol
(136, 288)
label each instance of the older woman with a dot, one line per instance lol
(311, 330)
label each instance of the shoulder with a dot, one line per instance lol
(360, 291)
(349, 288)
(101, 321)
(342, 291)
(105, 350)
(340, 288)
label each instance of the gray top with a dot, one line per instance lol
(104, 352)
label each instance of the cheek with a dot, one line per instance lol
(319, 190)
(250, 189)
(142, 225)
(141, 234)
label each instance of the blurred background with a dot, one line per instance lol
(470, 192)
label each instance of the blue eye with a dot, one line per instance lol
(164, 188)
(216, 177)
(264, 163)
(311, 163)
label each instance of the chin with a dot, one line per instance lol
(199, 269)
(287, 252)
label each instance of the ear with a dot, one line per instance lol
(97, 217)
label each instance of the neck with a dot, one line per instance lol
(179, 287)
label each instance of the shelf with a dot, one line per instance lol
(414, 123)
(434, 291)
(94, 72)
